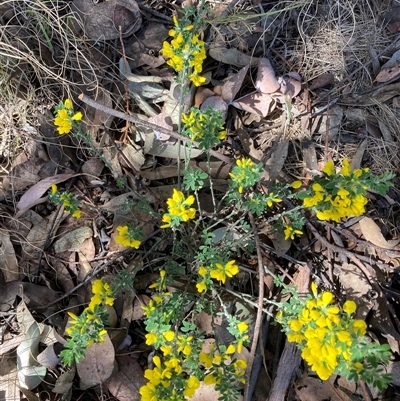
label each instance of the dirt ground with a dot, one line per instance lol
(338, 68)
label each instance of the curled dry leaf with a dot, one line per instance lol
(373, 234)
(266, 81)
(232, 86)
(31, 196)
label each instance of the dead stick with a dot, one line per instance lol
(154, 127)
(257, 326)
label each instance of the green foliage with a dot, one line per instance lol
(331, 340)
(193, 179)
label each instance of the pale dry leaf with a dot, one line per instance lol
(216, 103)
(48, 357)
(97, 365)
(373, 234)
(256, 103)
(134, 155)
(8, 261)
(29, 198)
(64, 381)
(290, 87)
(126, 383)
(275, 162)
(232, 57)
(164, 121)
(139, 301)
(30, 373)
(388, 74)
(71, 241)
(232, 86)
(266, 81)
(10, 344)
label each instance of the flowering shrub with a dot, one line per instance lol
(186, 52)
(66, 118)
(206, 127)
(331, 340)
(335, 196)
(178, 209)
(66, 199)
(184, 359)
(88, 327)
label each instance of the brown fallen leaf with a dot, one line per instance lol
(97, 365)
(373, 234)
(126, 383)
(387, 74)
(30, 197)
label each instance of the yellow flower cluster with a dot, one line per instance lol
(185, 51)
(325, 333)
(90, 323)
(66, 199)
(216, 362)
(160, 378)
(178, 209)
(200, 123)
(245, 174)
(289, 231)
(65, 117)
(217, 271)
(338, 195)
(125, 237)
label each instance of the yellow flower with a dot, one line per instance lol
(221, 272)
(242, 327)
(329, 168)
(197, 79)
(102, 293)
(53, 189)
(62, 121)
(272, 198)
(169, 335)
(346, 169)
(201, 286)
(151, 338)
(125, 238)
(349, 307)
(77, 214)
(68, 104)
(149, 392)
(192, 384)
(296, 184)
(290, 232)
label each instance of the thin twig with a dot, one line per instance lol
(154, 127)
(257, 325)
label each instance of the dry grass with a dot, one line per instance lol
(339, 37)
